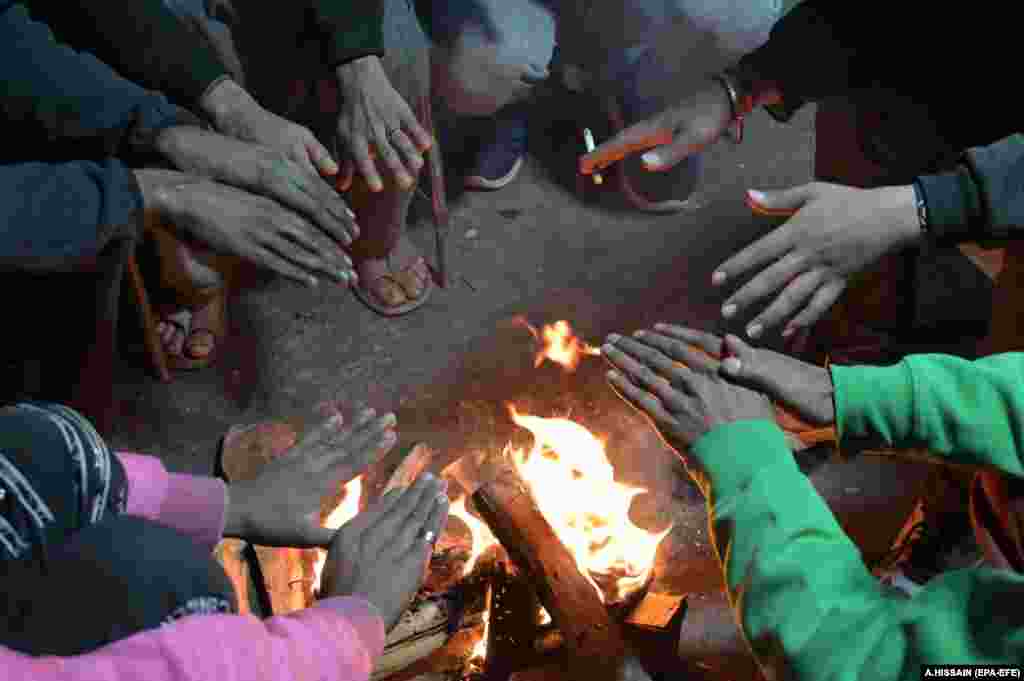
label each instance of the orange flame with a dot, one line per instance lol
(573, 484)
(346, 510)
(559, 344)
(482, 537)
(479, 652)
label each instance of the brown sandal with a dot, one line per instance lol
(216, 325)
(395, 279)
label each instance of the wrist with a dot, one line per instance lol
(224, 101)
(155, 188)
(234, 515)
(160, 195)
(827, 394)
(752, 89)
(357, 69)
(908, 211)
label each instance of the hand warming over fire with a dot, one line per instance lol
(382, 553)
(281, 507)
(679, 388)
(807, 388)
(834, 232)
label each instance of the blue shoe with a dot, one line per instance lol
(499, 161)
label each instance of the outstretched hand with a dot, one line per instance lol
(281, 506)
(376, 124)
(382, 553)
(678, 388)
(834, 232)
(265, 171)
(806, 388)
(236, 114)
(674, 134)
(237, 222)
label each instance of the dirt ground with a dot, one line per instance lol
(541, 249)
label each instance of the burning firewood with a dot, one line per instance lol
(415, 463)
(230, 554)
(430, 623)
(244, 452)
(423, 629)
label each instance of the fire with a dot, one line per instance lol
(573, 484)
(481, 534)
(559, 344)
(346, 510)
(479, 651)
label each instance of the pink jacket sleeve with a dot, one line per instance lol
(191, 504)
(339, 639)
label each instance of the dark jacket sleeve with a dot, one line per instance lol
(354, 29)
(829, 48)
(982, 199)
(51, 93)
(52, 215)
(142, 40)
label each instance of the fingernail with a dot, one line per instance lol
(732, 365)
(718, 278)
(651, 159)
(729, 310)
(349, 213)
(757, 196)
(754, 330)
(614, 338)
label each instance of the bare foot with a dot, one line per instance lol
(399, 279)
(173, 330)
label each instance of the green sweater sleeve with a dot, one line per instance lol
(142, 40)
(969, 412)
(807, 605)
(982, 199)
(354, 27)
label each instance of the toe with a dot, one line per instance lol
(388, 292)
(177, 342)
(201, 344)
(414, 279)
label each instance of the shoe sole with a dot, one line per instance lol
(487, 184)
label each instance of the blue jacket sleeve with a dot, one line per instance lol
(51, 93)
(52, 215)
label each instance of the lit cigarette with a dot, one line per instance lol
(588, 139)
